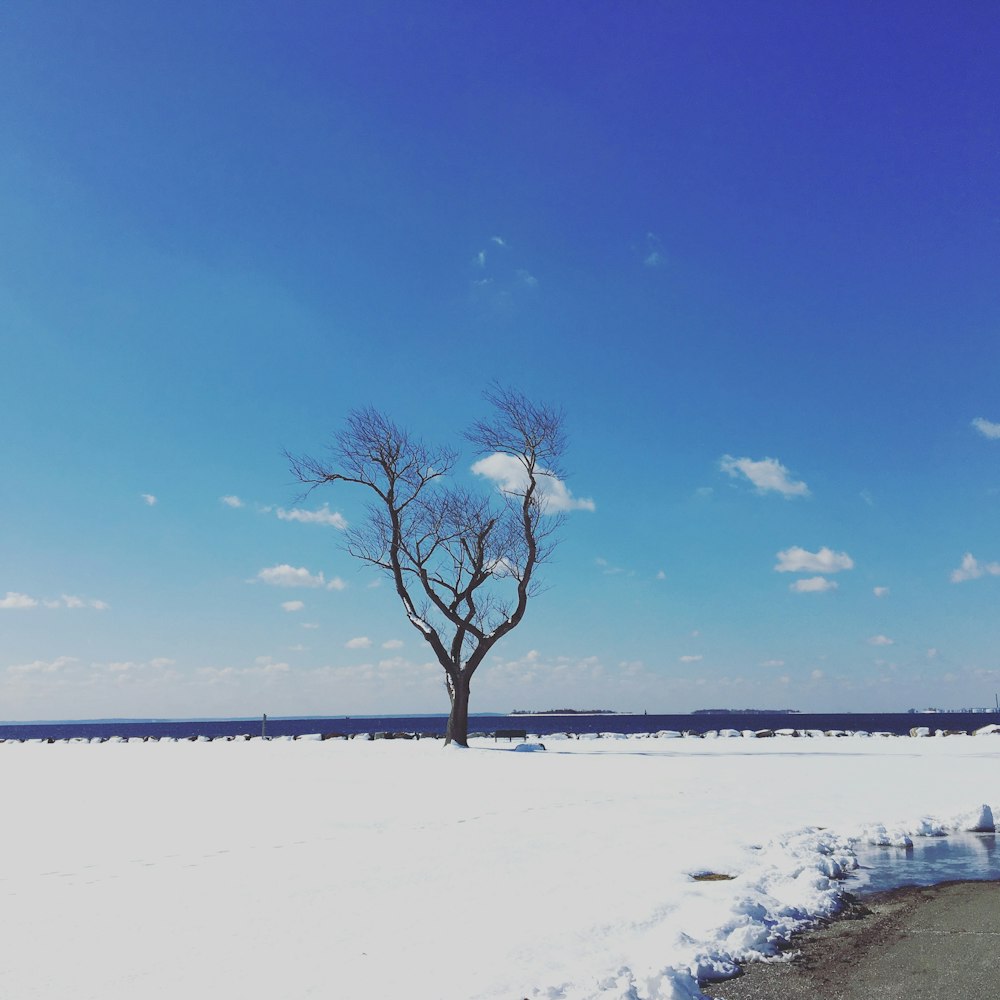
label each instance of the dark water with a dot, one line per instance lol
(434, 725)
(930, 861)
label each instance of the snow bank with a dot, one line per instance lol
(391, 868)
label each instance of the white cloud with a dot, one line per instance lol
(392, 644)
(498, 240)
(881, 640)
(798, 560)
(817, 675)
(512, 477)
(987, 428)
(322, 516)
(813, 585)
(660, 575)
(232, 501)
(69, 601)
(310, 625)
(268, 666)
(773, 663)
(880, 591)
(691, 659)
(528, 279)
(293, 605)
(15, 600)
(336, 584)
(149, 498)
(973, 569)
(932, 653)
(653, 256)
(290, 576)
(131, 668)
(480, 259)
(358, 642)
(42, 666)
(768, 475)
(606, 568)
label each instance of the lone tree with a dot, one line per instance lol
(463, 563)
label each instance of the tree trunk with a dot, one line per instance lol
(458, 720)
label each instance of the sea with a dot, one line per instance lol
(898, 723)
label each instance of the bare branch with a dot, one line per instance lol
(463, 564)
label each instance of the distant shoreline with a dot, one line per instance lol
(574, 724)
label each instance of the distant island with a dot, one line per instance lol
(745, 711)
(565, 711)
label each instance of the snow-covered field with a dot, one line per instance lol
(396, 869)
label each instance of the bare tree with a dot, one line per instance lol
(463, 563)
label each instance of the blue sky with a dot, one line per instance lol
(751, 250)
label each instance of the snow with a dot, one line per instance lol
(311, 868)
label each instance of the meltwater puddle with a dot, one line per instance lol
(929, 861)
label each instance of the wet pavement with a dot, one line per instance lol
(916, 943)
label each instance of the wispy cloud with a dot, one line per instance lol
(881, 640)
(16, 601)
(973, 569)
(71, 601)
(880, 591)
(987, 428)
(798, 560)
(653, 253)
(392, 644)
(813, 585)
(768, 475)
(285, 575)
(500, 281)
(293, 605)
(336, 584)
(232, 501)
(358, 642)
(149, 499)
(606, 568)
(691, 659)
(772, 663)
(322, 516)
(512, 477)
(42, 666)
(660, 575)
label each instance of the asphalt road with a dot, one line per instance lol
(909, 944)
